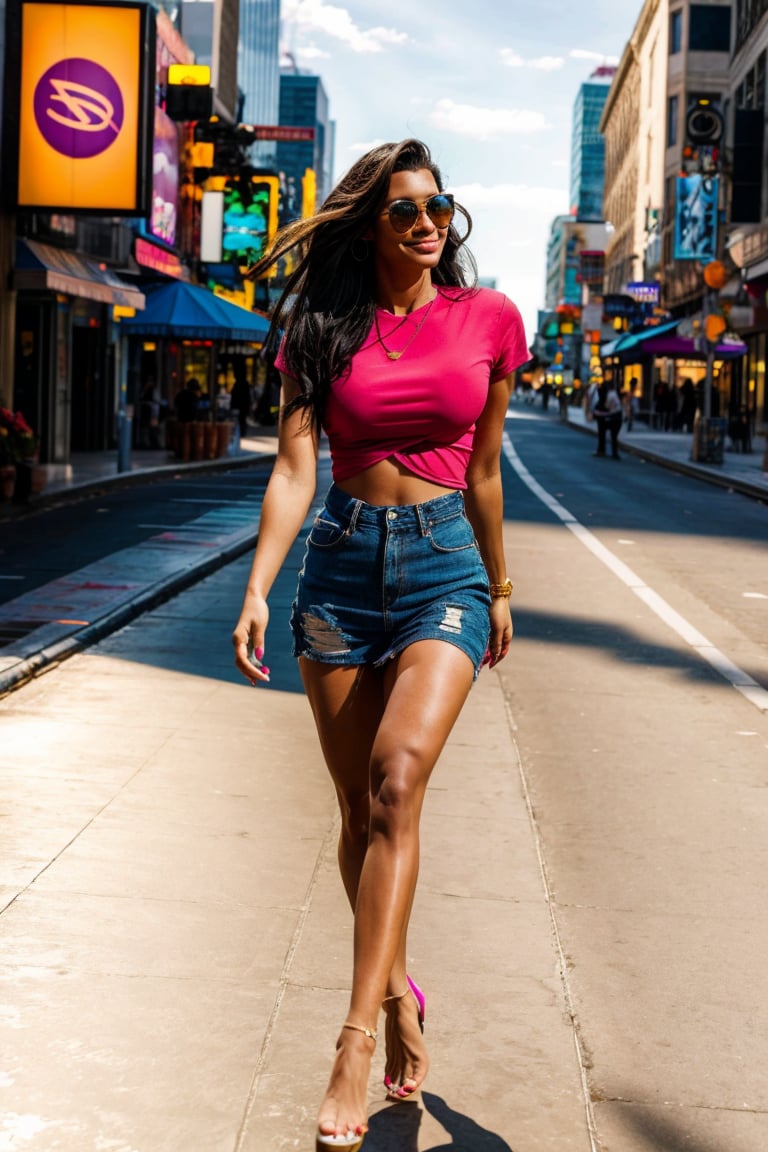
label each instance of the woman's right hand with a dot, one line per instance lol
(248, 640)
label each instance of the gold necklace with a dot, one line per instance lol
(393, 353)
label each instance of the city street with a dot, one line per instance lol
(589, 927)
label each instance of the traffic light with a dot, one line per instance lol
(251, 205)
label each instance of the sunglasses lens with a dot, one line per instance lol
(440, 210)
(403, 214)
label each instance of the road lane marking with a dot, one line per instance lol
(735, 676)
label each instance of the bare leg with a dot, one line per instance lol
(422, 693)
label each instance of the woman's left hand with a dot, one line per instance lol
(501, 630)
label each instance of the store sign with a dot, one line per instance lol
(84, 135)
(283, 132)
(165, 179)
(696, 218)
(644, 291)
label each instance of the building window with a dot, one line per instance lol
(675, 31)
(672, 109)
(710, 28)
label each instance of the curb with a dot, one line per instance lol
(697, 471)
(30, 667)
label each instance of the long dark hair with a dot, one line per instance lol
(327, 307)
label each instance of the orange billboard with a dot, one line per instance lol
(85, 124)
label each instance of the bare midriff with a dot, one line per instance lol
(388, 483)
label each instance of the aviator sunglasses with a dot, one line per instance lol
(403, 214)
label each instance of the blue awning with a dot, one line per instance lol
(629, 340)
(189, 312)
(45, 268)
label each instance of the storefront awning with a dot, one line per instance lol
(631, 340)
(663, 340)
(190, 312)
(43, 268)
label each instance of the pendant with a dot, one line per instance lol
(394, 355)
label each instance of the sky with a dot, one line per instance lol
(489, 85)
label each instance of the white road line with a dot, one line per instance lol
(735, 676)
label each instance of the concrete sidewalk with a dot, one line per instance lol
(743, 472)
(175, 956)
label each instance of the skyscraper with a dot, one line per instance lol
(304, 103)
(258, 67)
(588, 146)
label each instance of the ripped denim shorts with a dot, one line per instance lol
(376, 579)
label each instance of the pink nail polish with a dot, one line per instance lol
(258, 653)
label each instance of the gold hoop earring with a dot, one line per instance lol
(356, 255)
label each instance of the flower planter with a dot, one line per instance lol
(31, 479)
(223, 437)
(210, 441)
(198, 440)
(7, 482)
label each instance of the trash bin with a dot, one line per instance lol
(710, 440)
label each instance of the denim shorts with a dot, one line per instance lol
(375, 579)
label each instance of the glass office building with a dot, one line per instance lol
(588, 147)
(304, 103)
(258, 67)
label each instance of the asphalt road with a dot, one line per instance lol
(642, 597)
(56, 540)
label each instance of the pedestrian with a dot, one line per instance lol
(241, 399)
(688, 404)
(607, 413)
(591, 399)
(187, 401)
(629, 402)
(149, 415)
(391, 350)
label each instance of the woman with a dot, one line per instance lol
(403, 592)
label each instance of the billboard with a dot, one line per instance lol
(165, 179)
(85, 106)
(696, 218)
(250, 212)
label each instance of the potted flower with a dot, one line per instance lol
(19, 454)
(8, 455)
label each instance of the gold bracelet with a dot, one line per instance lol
(504, 589)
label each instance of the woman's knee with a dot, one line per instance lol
(396, 800)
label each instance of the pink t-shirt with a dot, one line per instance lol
(422, 409)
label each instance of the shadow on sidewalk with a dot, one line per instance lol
(396, 1129)
(622, 643)
(663, 1133)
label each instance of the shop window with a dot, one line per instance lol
(675, 31)
(673, 105)
(710, 28)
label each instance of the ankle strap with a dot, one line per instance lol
(365, 1031)
(386, 998)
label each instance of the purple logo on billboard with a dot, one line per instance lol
(78, 108)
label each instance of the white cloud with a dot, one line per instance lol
(586, 54)
(312, 52)
(547, 63)
(513, 59)
(337, 23)
(483, 123)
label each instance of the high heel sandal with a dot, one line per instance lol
(420, 998)
(352, 1141)
(394, 1090)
